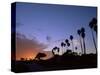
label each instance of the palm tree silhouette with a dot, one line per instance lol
(71, 38)
(93, 26)
(75, 48)
(67, 43)
(83, 37)
(94, 23)
(58, 50)
(55, 51)
(63, 45)
(79, 32)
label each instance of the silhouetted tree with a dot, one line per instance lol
(79, 33)
(94, 23)
(69, 52)
(22, 59)
(63, 45)
(58, 49)
(39, 56)
(75, 48)
(67, 43)
(83, 37)
(93, 26)
(66, 40)
(55, 51)
(71, 38)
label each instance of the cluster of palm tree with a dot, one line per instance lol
(71, 38)
(93, 26)
(64, 44)
(81, 33)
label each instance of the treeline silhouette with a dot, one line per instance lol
(69, 59)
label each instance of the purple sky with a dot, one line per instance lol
(51, 24)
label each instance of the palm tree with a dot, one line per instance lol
(95, 29)
(67, 41)
(75, 48)
(94, 22)
(54, 50)
(71, 38)
(83, 37)
(93, 25)
(68, 44)
(63, 45)
(79, 32)
(58, 50)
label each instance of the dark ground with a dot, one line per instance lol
(64, 62)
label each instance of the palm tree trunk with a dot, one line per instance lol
(62, 50)
(94, 40)
(72, 46)
(66, 48)
(84, 46)
(81, 45)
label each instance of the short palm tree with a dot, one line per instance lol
(63, 45)
(83, 37)
(79, 32)
(71, 38)
(55, 51)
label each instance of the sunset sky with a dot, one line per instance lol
(40, 27)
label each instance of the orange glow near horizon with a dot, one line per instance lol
(27, 55)
(31, 55)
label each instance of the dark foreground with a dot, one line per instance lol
(64, 62)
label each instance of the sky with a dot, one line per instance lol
(40, 27)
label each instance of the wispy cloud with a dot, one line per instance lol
(27, 47)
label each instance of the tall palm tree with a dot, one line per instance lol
(79, 32)
(71, 38)
(83, 37)
(58, 50)
(94, 22)
(67, 41)
(68, 44)
(93, 25)
(63, 45)
(53, 51)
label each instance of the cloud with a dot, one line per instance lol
(18, 24)
(27, 48)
